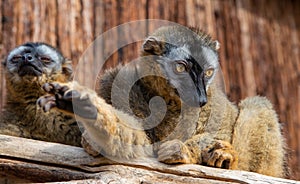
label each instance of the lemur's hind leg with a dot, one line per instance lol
(257, 138)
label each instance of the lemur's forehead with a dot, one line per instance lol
(48, 51)
(210, 57)
(185, 49)
(40, 50)
(16, 51)
(204, 56)
(180, 53)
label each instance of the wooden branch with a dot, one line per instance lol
(36, 161)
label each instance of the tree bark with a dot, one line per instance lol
(26, 160)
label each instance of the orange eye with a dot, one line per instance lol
(209, 72)
(180, 67)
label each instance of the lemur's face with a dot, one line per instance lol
(188, 67)
(34, 60)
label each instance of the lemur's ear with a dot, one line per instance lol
(153, 46)
(216, 45)
(67, 69)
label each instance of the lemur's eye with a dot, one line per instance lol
(209, 72)
(45, 59)
(16, 58)
(180, 67)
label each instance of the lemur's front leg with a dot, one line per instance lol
(106, 129)
(220, 154)
(199, 150)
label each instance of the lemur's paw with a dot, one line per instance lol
(221, 155)
(70, 100)
(174, 152)
(58, 96)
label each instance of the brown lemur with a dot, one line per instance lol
(197, 123)
(27, 67)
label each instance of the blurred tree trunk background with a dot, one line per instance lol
(260, 42)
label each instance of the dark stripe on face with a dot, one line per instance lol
(197, 75)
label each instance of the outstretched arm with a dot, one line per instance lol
(106, 129)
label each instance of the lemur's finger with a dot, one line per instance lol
(45, 99)
(49, 106)
(52, 87)
(224, 160)
(72, 94)
(47, 87)
(63, 89)
(56, 87)
(219, 162)
(213, 158)
(58, 96)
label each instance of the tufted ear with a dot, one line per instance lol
(216, 45)
(67, 69)
(152, 46)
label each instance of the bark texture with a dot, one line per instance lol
(24, 160)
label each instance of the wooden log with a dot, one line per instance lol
(26, 160)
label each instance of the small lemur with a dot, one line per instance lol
(199, 124)
(27, 68)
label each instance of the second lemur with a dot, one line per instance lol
(168, 105)
(27, 67)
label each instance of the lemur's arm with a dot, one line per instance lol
(107, 130)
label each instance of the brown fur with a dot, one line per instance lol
(257, 138)
(246, 137)
(23, 118)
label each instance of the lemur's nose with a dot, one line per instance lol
(202, 101)
(28, 57)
